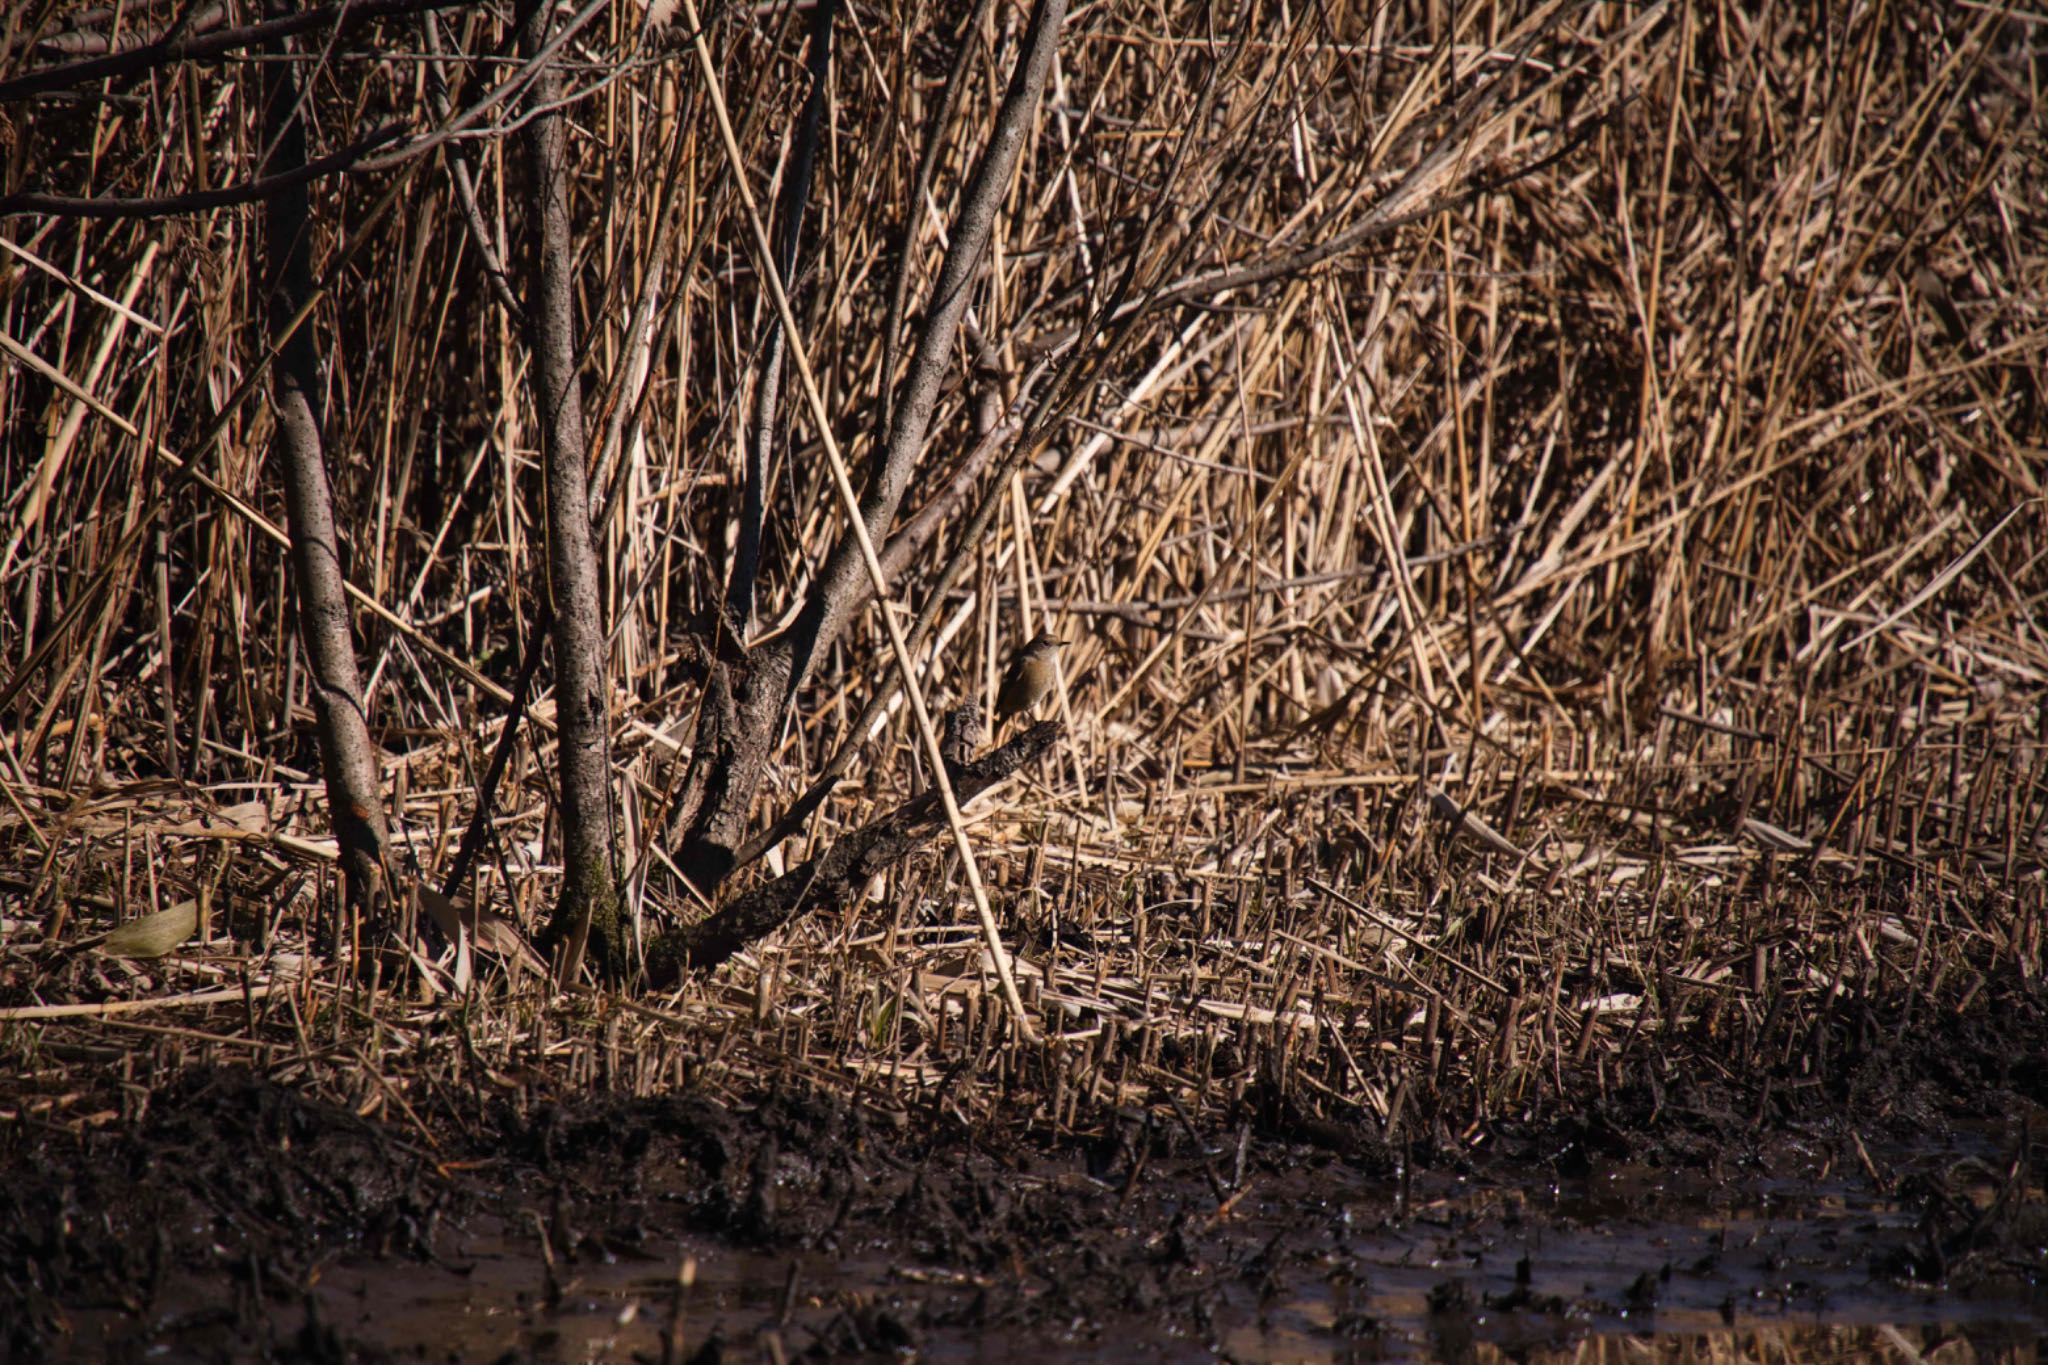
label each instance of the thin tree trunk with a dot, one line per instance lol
(735, 737)
(789, 223)
(347, 759)
(590, 911)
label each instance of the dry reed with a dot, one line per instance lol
(1650, 482)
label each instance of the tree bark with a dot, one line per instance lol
(347, 760)
(843, 587)
(789, 215)
(838, 874)
(734, 742)
(590, 914)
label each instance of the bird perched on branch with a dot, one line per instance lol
(1028, 678)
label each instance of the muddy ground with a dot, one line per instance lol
(239, 1218)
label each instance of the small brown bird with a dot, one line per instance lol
(1028, 678)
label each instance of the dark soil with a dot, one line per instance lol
(241, 1218)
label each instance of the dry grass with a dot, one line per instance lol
(1674, 509)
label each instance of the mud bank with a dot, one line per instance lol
(239, 1218)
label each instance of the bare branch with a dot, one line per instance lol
(197, 201)
(178, 47)
(842, 590)
(789, 218)
(928, 160)
(837, 874)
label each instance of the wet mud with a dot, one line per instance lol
(239, 1219)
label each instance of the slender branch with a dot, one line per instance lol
(177, 47)
(789, 217)
(840, 591)
(465, 185)
(1022, 438)
(835, 875)
(186, 469)
(895, 557)
(464, 124)
(198, 201)
(83, 40)
(487, 790)
(927, 163)
(1042, 41)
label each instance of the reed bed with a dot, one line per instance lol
(1552, 533)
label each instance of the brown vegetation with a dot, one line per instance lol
(1547, 501)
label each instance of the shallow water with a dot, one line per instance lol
(624, 1239)
(1309, 1265)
